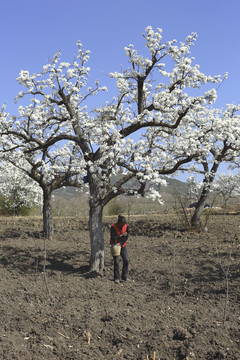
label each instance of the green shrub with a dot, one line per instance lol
(115, 207)
(7, 208)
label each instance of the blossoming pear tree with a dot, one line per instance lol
(22, 148)
(17, 189)
(146, 130)
(49, 170)
(228, 186)
(219, 143)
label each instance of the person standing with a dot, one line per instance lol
(119, 235)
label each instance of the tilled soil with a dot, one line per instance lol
(182, 301)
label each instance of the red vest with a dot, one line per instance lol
(119, 232)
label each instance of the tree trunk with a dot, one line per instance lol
(96, 237)
(196, 218)
(47, 214)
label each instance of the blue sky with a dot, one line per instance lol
(32, 31)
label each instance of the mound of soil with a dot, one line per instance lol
(182, 301)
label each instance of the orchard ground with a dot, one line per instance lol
(174, 306)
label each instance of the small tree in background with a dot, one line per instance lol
(19, 192)
(50, 170)
(194, 189)
(228, 186)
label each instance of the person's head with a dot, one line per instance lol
(121, 221)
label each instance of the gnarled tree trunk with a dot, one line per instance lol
(196, 218)
(96, 237)
(47, 214)
(95, 224)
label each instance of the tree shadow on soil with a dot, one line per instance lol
(9, 234)
(25, 261)
(57, 263)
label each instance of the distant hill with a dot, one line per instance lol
(172, 185)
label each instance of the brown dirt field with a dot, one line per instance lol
(173, 307)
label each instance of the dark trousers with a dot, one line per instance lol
(116, 260)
